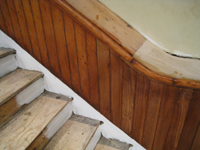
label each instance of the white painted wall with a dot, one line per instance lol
(53, 84)
(173, 25)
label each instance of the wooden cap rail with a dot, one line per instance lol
(93, 29)
(127, 57)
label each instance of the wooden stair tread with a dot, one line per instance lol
(75, 134)
(6, 51)
(15, 82)
(111, 144)
(22, 130)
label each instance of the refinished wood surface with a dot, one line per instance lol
(15, 82)
(74, 135)
(126, 82)
(28, 124)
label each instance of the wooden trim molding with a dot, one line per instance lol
(110, 40)
(92, 28)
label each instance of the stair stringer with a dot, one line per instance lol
(53, 84)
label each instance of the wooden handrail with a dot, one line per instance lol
(109, 41)
(93, 29)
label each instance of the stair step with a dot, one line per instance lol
(6, 51)
(8, 61)
(15, 82)
(75, 134)
(111, 144)
(29, 123)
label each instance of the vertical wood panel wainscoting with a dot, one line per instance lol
(158, 116)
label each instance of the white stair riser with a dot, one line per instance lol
(30, 93)
(94, 140)
(7, 64)
(59, 120)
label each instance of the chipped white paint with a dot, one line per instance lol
(53, 84)
(30, 93)
(159, 61)
(172, 24)
(7, 64)
(59, 120)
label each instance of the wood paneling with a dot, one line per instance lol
(103, 59)
(23, 26)
(92, 70)
(50, 36)
(40, 33)
(58, 22)
(157, 115)
(16, 27)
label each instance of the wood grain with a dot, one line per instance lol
(58, 23)
(82, 61)
(15, 22)
(28, 124)
(7, 19)
(127, 101)
(50, 37)
(196, 143)
(73, 135)
(103, 58)
(73, 58)
(191, 124)
(31, 29)
(7, 111)
(110, 23)
(15, 82)
(93, 29)
(169, 98)
(2, 22)
(40, 33)
(152, 114)
(92, 70)
(23, 26)
(116, 88)
(141, 99)
(178, 119)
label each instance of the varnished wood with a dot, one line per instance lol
(23, 26)
(73, 58)
(15, 22)
(191, 124)
(103, 58)
(141, 98)
(58, 22)
(31, 29)
(152, 114)
(2, 22)
(169, 98)
(129, 94)
(40, 33)
(196, 143)
(127, 101)
(50, 37)
(90, 27)
(92, 70)
(116, 88)
(178, 119)
(7, 19)
(82, 60)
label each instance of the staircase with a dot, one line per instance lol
(33, 118)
